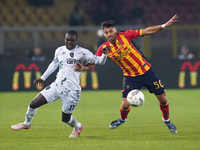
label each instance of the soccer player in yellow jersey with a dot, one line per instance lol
(137, 70)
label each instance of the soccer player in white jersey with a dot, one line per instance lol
(67, 84)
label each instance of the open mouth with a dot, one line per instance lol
(69, 45)
(110, 38)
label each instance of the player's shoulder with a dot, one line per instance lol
(79, 48)
(130, 32)
(123, 31)
(60, 49)
(104, 44)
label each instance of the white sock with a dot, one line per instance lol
(29, 115)
(165, 120)
(74, 123)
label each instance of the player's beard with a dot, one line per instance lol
(112, 39)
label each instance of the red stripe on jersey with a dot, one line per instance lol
(143, 59)
(125, 48)
(120, 64)
(120, 39)
(128, 57)
(115, 46)
(138, 62)
(112, 51)
(125, 70)
(148, 64)
(131, 67)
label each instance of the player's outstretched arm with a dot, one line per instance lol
(80, 67)
(155, 29)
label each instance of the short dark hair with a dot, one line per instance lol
(107, 24)
(73, 32)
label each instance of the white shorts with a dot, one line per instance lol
(69, 98)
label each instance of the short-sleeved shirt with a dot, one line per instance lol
(127, 54)
(66, 59)
(137, 69)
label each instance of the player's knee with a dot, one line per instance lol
(162, 98)
(164, 102)
(125, 105)
(66, 118)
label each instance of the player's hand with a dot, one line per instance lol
(38, 82)
(172, 20)
(78, 67)
(106, 50)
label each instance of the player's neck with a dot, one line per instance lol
(113, 42)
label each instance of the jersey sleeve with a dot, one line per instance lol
(52, 67)
(99, 51)
(131, 34)
(93, 59)
(55, 59)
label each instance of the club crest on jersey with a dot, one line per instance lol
(127, 86)
(120, 43)
(71, 54)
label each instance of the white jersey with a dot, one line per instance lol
(65, 59)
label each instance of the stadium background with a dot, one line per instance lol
(25, 24)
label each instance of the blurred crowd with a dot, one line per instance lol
(126, 12)
(92, 12)
(145, 12)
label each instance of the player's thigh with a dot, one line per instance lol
(38, 101)
(131, 83)
(51, 93)
(154, 84)
(70, 101)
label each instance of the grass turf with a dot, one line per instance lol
(143, 130)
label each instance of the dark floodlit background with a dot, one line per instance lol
(26, 24)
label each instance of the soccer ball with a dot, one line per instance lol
(135, 98)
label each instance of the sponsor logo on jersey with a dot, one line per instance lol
(72, 61)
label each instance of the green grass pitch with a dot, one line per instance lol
(143, 130)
